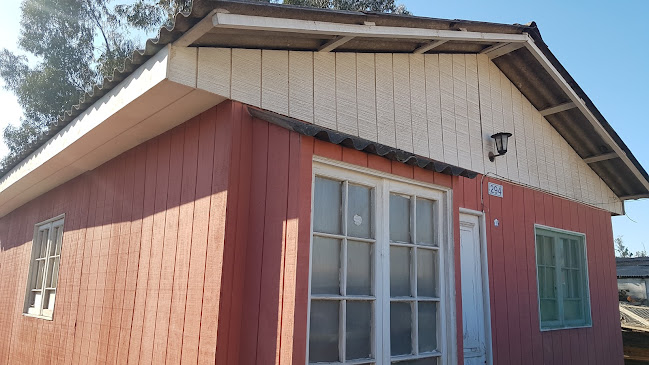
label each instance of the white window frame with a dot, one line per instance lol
(562, 324)
(41, 312)
(384, 184)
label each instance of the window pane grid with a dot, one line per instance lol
(563, 288)
(44, 268)
(359, 297)
(414, 245)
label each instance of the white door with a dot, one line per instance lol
(474, 295)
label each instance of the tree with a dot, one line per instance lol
(380, 6)
(70, 45)
(621, 249)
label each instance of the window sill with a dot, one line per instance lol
(39, 317)
(589, 325)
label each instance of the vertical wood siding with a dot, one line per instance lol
(140, 274)
(194, 248)
(516, 336)
(456, 101)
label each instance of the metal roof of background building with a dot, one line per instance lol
(637, 267)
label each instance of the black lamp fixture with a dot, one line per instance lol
(501, 144)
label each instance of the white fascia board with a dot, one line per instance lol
(251, 22)
(157, 96)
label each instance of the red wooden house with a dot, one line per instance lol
(269, 184)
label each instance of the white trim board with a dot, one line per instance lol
(156, 97)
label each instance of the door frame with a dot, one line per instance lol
(482, 226)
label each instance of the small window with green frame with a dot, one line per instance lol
(562, 275)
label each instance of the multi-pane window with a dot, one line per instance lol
(375, 272)
(562, 279)
(44, 268)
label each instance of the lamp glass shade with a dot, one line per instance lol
(501, 141)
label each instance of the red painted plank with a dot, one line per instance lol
(424, 175)
(259, 175)
(197, 256)
(471, 197)
(444, 180)
(533, 304)
(168, 245)
(500, 288)
(599, 323)
(328, 150)
(401, 169)
(230, 244)
(148, 210)
(241, 239)
(216, 234)
(290, 261)
(133, 254)
(376, 163)
(155, 263)
(183, 248)
(274, 241)
(518, 228)
(304, 246)
(354, 157)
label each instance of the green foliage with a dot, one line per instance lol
(379, 6)
(70, 45)
(621, 249)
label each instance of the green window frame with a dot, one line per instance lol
(562, 279)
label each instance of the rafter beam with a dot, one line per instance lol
(558, 109)
(335, 43)
(634, 197)
(501, 49)
(427, 47)
(602, 157)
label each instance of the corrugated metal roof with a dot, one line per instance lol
(520, 66)
(632, 267)
(359, 144)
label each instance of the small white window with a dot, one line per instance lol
(376, 272)
(562, 274)
(44, 268)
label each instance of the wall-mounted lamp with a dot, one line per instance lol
(501, 144)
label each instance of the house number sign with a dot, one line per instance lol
(495, 190)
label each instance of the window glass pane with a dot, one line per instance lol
(49, 300)
(425, 222)
(43, 243)
(572, 309)
(400, 271)
(426, 273)
(359, 216)
(400, 328)
(39, 274)
(549, 283)
(399, 218)
(327, 206)
(53, 272)
(54, 236)
(359, 329)
(427, 326)
(575, 249)
(549, 310)
(326, 266)
(548, 251)
(59, 241)
(359, 268)
(323, 334)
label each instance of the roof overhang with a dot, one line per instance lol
(159, 95)
(157, 88)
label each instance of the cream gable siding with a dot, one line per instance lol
(444, 107)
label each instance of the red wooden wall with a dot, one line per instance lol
(142, 249)
(194, 248)
(512, 276)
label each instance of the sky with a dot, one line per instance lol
(602, 44)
